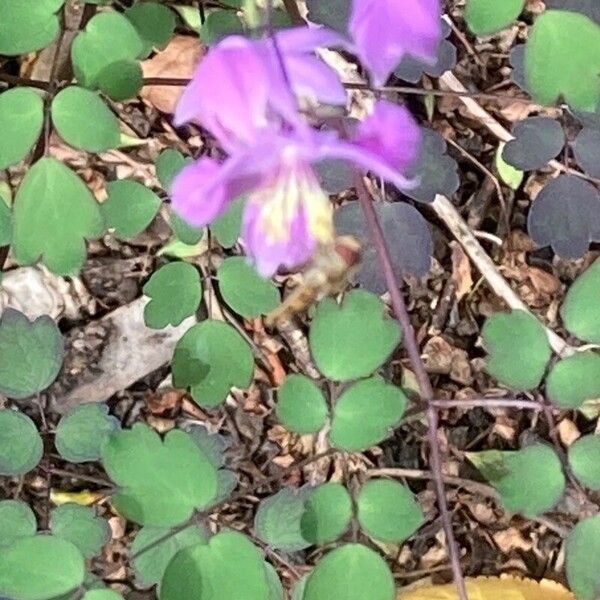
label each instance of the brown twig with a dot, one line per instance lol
(410, 343)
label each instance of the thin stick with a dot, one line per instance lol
(489, 403)
(410, 343)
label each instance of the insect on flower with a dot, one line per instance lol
(329, 272)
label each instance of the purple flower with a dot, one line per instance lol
(287, 213)
(385, 30)
(240, 88)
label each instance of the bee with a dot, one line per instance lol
(328, 273)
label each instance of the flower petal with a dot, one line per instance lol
(391, 133)
(385, 30)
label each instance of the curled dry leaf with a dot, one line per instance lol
(177, 60)
(494, 588)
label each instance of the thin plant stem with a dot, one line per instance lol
(410, 343)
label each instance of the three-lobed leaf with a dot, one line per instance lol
(31, 354)
(17, 520)
(175, 292)
(327, 513)
(301, 405)
(161, 482)
(54, 213)
(583, 460)
(155, 24)
(574, 380)
(21, 446)
(583, 558)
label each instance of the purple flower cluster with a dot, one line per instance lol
(248, 94)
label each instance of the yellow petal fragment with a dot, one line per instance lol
(84, 498)
(505, 587)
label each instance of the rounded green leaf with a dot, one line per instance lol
(583, 558)
(278, 520)
(574, 379)
(83, 431)
(229, 566)
(17, 520)
(168, 164)
(210, 359)
(84, 121)
(186, 233)
(530, 481)
(488, 16)
(276, 591)
(562, 59)
(108, 39)
(218, 25)
(518, 349)
(102, 594)
(351, 572)
(581, 309)
(31, 354)
(327, 514)
(40, 567)
(161, 482)
(155, 24)
(352, 339)
(121, 80)
(21, 446)
(227, 227)
(365, 413)
(388, 511)
(26, 26)
(54, 213)
(21, 121)
(584, 459)
(5, 223)
(246, 292)
(301, 405)
(175, 292)
(151, 564)
(80, 526)
(129, 208)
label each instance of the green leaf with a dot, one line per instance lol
(518, 349)
(562, 59)
(83, 431)
(168, 165)
(278, 520)
(84, 121)
(229, 566)
(17, 520)
(327, 514)
(108, 39)
(54, 213)
(31, 354)
(40, 567)
(121, 80)
(246, 292)
(227, 227)
(178, 280)
(220, 24)
(21, 446)
(332, 13)
(212, 445)
(185, 232)
(129, 208)
(155, 25)
(351, 572)
(161, 482)
(102, 594)
(26, 26)
(5, 223)
(530, 481)
(581, 310)
(150, 565)
(276, 591)
(574, 380)
(301, 405)
(488, 16)
(210, 359)
(388, 511)
(80, 526)
(21, 122)
(352, 339)
(365, 413)
(583, 558)
(584, 459)
(512, 177)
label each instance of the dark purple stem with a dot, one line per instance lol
(410, 343)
